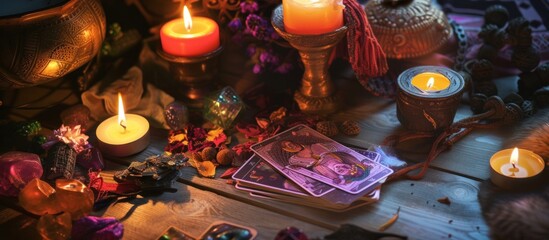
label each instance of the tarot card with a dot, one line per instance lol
(256, 173)
(303, 151)
(334, 208)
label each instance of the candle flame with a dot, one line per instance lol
(121, 114)
(430, 83)
(514, 157)
(187, 19)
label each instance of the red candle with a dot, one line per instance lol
(188, 37)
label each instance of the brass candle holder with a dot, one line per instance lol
(195, 74)
(422, 111)
(317, 92)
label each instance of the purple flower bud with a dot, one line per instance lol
(284, 68)
(235, 24)
(249, 6)
(257, 68)
(250, 50)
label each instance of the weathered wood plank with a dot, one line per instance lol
(193, 210)
(422, 217)
(468, 157)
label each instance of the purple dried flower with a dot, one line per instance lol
(249, 6)
(257, 69)
(235, 24)
(284, 68)
(250, 50)
(268, 57)
(254, 22)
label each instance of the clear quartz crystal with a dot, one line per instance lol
(223, 107)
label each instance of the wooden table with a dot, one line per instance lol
(455, 174)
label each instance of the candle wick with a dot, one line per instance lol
(123, 124)
(513, 165)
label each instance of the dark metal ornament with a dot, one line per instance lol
(60, 161)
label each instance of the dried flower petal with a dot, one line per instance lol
(390, 221)
(444, 200)
(262, 122)
(70, 136)
(278, 115)
(229, 173)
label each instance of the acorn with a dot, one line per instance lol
(208, 153)
(225, 156)
(327, 128)
(350, 128)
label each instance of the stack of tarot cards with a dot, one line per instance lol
(302, 166)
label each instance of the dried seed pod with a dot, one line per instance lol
(513, 98)
(328, 128)
(487, 88)
(196, 156)
(208, 153)
(528, 108)
(482, 70)
(350, 128)
(226, 156)
(519, 32)
(477, 102)
(497, 15)
(525, 58)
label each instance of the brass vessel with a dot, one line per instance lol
(408, 28)
(317, 94)
(48, 44)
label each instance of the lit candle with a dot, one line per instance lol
(430, 82)
(124, 134)
(311, 17)
(189, 36)
(511, 165)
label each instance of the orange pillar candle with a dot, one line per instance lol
(189, 36)
(310, 17)
(430, 82)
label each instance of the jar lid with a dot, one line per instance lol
(408, 28)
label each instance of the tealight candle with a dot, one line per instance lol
(428, 97)
(123, 135)
(311, 17)
(515, 168)
(430, 82)
(189, 36)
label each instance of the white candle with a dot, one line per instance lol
(513, 168)
(123, 135)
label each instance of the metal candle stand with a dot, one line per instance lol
(194, 73)
(428, 112)
(317, 92)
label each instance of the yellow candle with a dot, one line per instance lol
(517, 163)
(123, 135)
(311, 17)
(430, 82)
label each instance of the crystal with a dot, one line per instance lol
(55, 226)
(16, 170)
(76, 115)
(227, 231)
(90, 158)
(38, 198)
(176, 115)
(223, 107)
(91, 227)
(74, 197)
